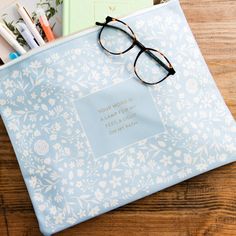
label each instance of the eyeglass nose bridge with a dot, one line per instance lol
(139, 44)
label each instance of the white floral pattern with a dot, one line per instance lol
(67, 184)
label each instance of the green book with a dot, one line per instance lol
(82, 14)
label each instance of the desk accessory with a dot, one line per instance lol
(29, 23)
(13, 55)
(27, 35)
(90, 137)
(45, 25)
(119, 33)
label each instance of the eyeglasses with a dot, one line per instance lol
(150, 65)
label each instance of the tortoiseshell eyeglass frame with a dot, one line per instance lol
(168, 67)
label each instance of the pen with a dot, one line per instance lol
(26, 34)
(45, 25)
(13, 55)
(10, 38)
(31, 26)
(5, 49)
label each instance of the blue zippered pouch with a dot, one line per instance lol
(90, 138)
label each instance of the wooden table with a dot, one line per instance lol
(205, 205)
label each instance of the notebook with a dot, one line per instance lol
(80, 14)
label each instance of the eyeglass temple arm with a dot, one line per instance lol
(141, 46)
(115, 27)
(170, 70)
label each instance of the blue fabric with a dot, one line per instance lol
(90, 138)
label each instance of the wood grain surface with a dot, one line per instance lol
(205, 205)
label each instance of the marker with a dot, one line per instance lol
(26, 34)
(45, 25)
(11, 39)
(13, 55)
(31, 26)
